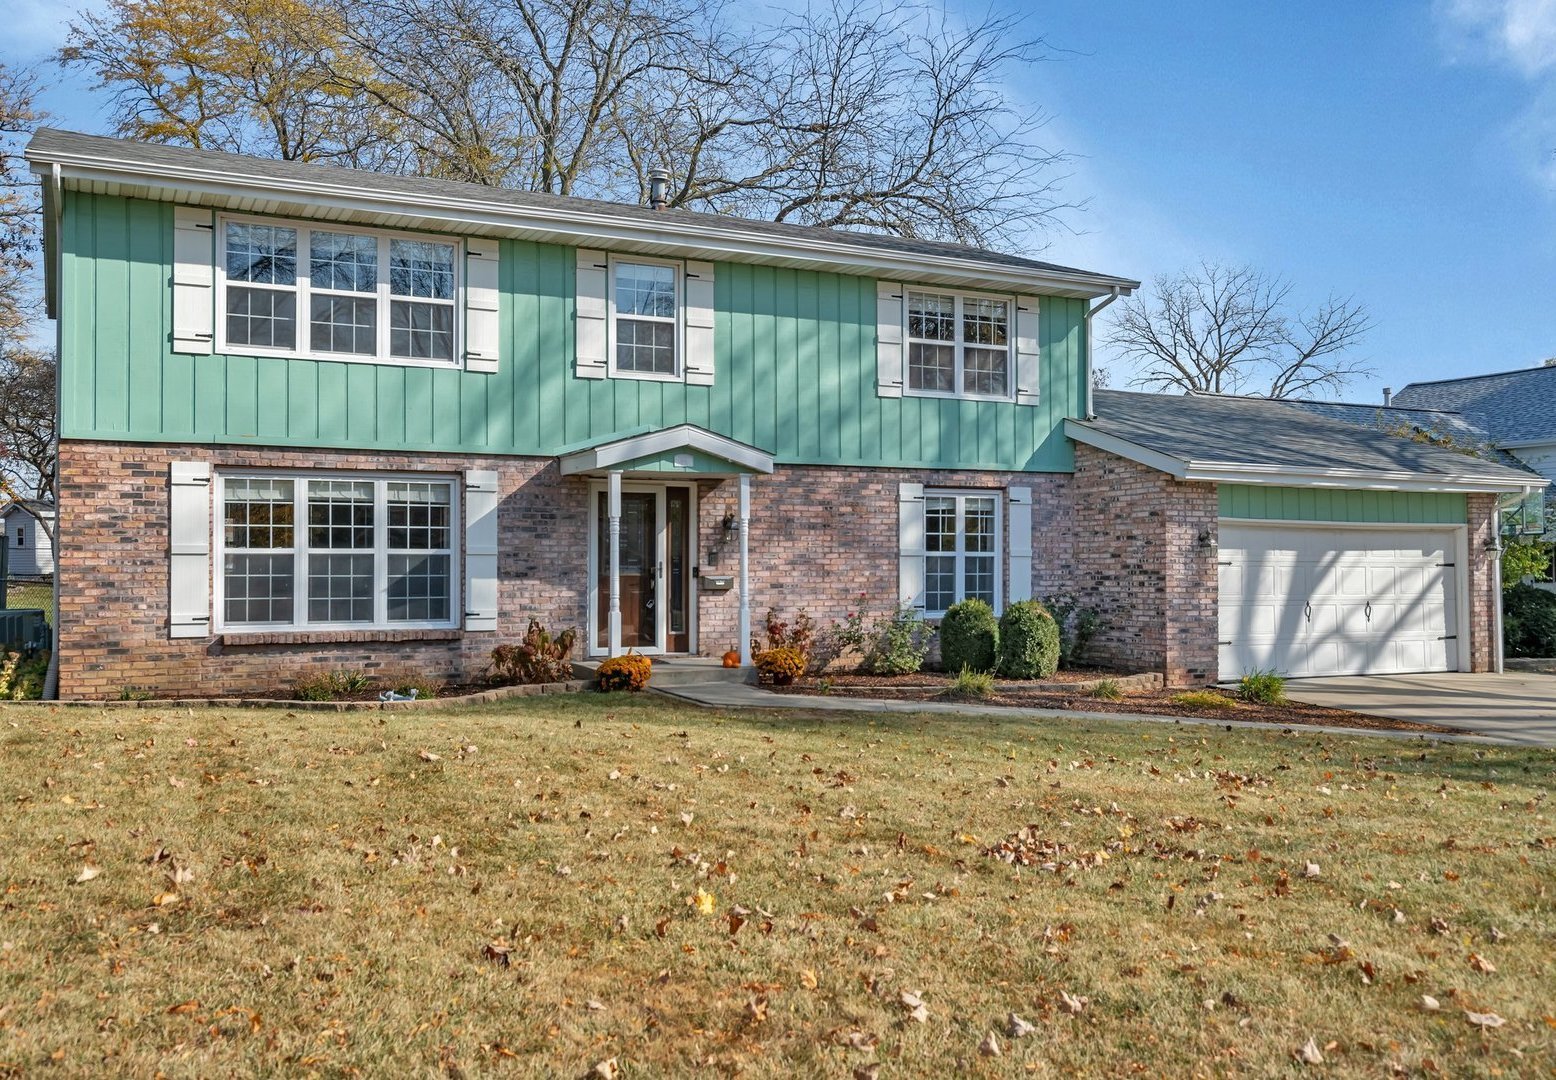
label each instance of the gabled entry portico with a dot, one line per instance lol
(643, 568)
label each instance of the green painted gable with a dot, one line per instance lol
(1251, 502)
(795, 370)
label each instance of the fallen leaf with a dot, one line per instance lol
(606, 1070)
(594, 1005)
(88, 872)
(703, 902)
(867, 1072)
(756, 1009)
(1484, 1020)
(1072, 1004)
(1494, 935)
(1018, 1028)
(1309, 1054)
(990, 1046)
(686, 817)
(917, 1010)
(1429, 1003)
(1439, 926)
(428, 755)
(807, 978)
(1481, 964)
(165, 899)
(1311, 870)
(497, 952)
(183, 1007)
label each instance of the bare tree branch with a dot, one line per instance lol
(1217, 329)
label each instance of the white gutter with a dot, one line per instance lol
(1089, 412)
(1496, 591)
(51, 289)
(716, 237)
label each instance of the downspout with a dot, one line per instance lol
(1089, 412)
(53, 278)
(1496, 587)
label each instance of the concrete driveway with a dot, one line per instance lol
(1515, 707)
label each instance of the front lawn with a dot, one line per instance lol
(551, 884)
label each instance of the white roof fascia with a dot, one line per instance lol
(577, 226)
(682, 437)
(1289, 475)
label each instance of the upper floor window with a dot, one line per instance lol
(645, 310)
(21, 537)
(337, 293)
(958, 344)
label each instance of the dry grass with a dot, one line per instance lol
(335, 900)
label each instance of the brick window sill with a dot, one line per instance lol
(334, 637)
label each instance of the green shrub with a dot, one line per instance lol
(970, 684)
(21, 678)
(1203, 699)
(1078, 624)
(330, 685)
(1264, 687)
(969, 637)
(1029, 642)
(899, 642)
(1107, 690)
(780, 665)
(629, 672)
(1529, 621)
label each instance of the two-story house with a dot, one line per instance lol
(313, 416)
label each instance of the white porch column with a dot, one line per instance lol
(745, 569)
(613, 510)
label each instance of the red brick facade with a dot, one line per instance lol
(1121, 537)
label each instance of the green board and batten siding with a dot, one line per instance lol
(1253, 503)
(795, 371)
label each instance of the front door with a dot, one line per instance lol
(654, 575)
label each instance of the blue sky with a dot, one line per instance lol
(1403, 154)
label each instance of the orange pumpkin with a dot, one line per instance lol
(732, 659)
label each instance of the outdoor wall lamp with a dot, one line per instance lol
(726, 533)
(1207, 539)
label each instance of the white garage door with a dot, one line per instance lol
(1310, 601)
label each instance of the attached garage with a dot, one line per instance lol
(1317, 600)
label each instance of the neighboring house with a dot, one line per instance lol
(1516, 410)
(316, 417)
(29, 551)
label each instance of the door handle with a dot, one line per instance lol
(1307, 610)
(1369, 610)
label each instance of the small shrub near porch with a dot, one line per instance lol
(1028, 642)
(969, 637)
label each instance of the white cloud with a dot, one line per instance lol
(1517, 33)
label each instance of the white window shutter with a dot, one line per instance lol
(910, 544)
(481, 498)
(1020, 544)
(189, 549)
(483, 328)
(592, 317)
(194, 280)
(699, 323)
(1028, 369)
(888, 339)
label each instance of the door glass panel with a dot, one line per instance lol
(639, 556)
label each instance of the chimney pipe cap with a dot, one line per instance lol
(658, 188)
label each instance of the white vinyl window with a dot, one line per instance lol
(340, 294)
(959, 345)
(340, 552)
(645, 317)
(961, 549)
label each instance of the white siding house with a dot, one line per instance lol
(31, 552)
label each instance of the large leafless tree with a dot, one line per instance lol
(1223, 330)
(19, 114)
(27, 427)
(867, 114)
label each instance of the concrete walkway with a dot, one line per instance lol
(726, 695)
(1515, 707)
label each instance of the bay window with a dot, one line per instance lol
(306, 552)
(365, 295)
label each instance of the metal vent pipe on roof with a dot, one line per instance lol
(1388, 395)
(658, 188)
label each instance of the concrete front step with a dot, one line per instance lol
(678, 671)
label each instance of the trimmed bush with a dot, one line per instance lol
(1204, 699)
(969, 637)
(314, 685)
(629, 672)
(1028, 642)
(1529, 621)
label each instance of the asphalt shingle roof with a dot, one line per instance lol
(51, 142)
(1511, 406)
(1214, 430)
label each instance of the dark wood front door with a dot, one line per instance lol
(640, 528)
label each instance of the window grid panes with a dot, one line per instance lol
(958, 344)
(337, 280)
(961, 550)
(644, 306)
(366, 552)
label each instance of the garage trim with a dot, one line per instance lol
(1461, 562)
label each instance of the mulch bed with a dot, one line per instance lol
(930, 687)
